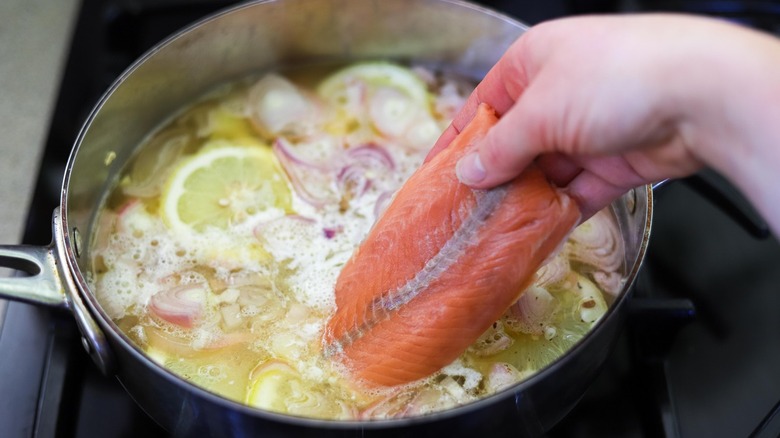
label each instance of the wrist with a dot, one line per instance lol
(732, 118)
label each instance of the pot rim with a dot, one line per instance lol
(72, 245)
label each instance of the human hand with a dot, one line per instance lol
(604, 104)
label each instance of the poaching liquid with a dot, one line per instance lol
(218, 251)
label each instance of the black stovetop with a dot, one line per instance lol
(699, 356)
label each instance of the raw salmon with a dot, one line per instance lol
(441, 265)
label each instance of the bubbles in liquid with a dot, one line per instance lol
(210, 372)
(281, 320)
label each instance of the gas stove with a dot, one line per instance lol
(699, 355)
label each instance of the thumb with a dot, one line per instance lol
(507, 149)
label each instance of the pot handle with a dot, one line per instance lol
(708, 186)
(47, 283)
(42, 283)
(657, 185)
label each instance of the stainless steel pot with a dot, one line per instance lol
(254, 37)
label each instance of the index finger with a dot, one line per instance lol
(500, 89)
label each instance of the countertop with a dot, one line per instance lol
(34, 42)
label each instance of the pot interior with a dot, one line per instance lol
(269, 35)
(251, 39)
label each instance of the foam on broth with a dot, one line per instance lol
(239, 309)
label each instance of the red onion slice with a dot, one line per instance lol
(284, 151)
(372, 155)
(352, 181)
(309, 180)
(183, 305)
(365, 163)
(331, 232)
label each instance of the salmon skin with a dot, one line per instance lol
(441, 265)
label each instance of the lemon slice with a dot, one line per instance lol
(389, 99)
(276, 386)
(223, 185)
(375, 75)
(271, 385)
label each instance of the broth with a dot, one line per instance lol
(218, 250)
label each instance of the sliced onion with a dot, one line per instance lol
(493, 341)
(235, 280)
(276, 106)
(407, 403)
(591, 304)
(422, 133)
(249, 278)
(372, 155)
(502, 375)
(352, 182)
(554, 272)
(365, 163)
(394, 406)
(310, 180)
(347, 411)
(429, 400)
(392, 111)
(107, 220)
(354, 96)
(133, 220)
(454, 389)
(318, 157)
(227, 296)
(261, 303)
(183, 306)
(154, 163)
(610, 282)
(449, 100)
(425, 74)
(254, 296)
(126, 214)
(468, 378)
(231, 316)
(597, 243)
(186, 346)
(532, 312)
(297, 314)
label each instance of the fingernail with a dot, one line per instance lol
(469, 169)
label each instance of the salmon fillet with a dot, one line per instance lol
(442, 263)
